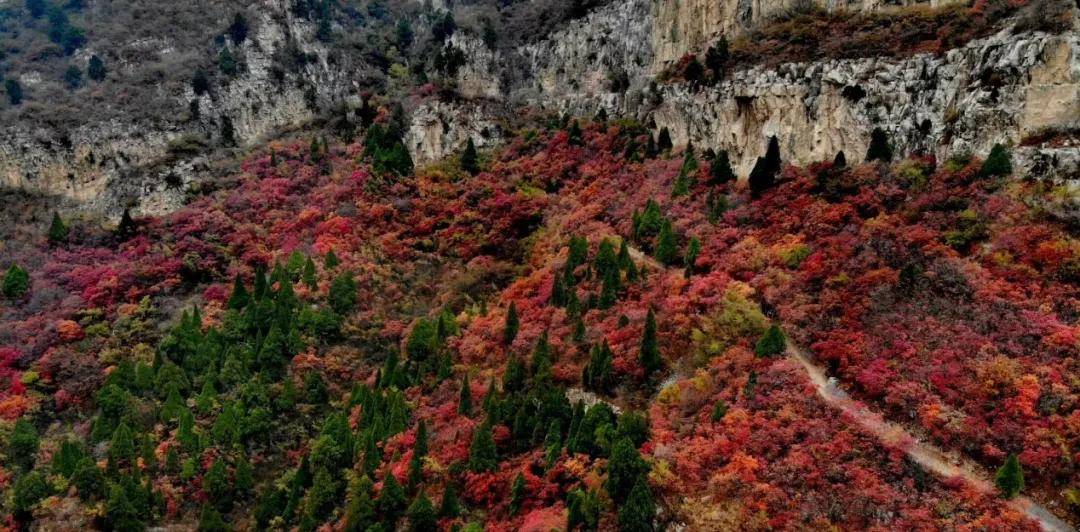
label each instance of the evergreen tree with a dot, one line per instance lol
(126, 228)
(309, 275)
(624, 468)
(391, 501)
(226, 62)
(840, 161)
(95, 69)
(574, 135)
(693, 249)
(238, 30)
(879, 149)
(666, 249)
(685, 180)
(120, 513)
(422, 515)
(1010, 478)
(320, 499)
(58, 231)
(14, 91)
(465, 402)
(240, 297)
(512, 325)
(639, 511)
(87, 478)
(719, 410)
(360, 509)
(404, 34)
(763, 176)
(482, 454)
(416, 463)
(121, 447)
(16, 282)
(450, 506)
(185, 434)
(772, 343)
(650, 351)
(170, 410)
(717, 56)
(469, 158)
(228, 132)
(23, 445)
(244, 478)
(663, 141)
(583, 511)
(331, 261)
(598, 373)
(218, 487)
(517, 494)
(342, 295)
(998, 163)
(210, 520)
(720, 169)
(30, 489)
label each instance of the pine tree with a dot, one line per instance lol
(510, 331)
(127, 228)
(879, 149)
(666, 249)
(639, 511)
(598, 373)
(693, 249)
(514, 376)
(719, 410)
(217, 486)
(95, 70)
(228, 132)
(422, 515)
(226, 62)
(244, 478)
(574, 136)
(309, 274)
(450, 506)
(416, 463)
(360, 509)
(716, 58)
(517, 494)
(23, 445)
(685, 180)
(772, 343)
(185, 434)
(650, 351)
(240, 297)
(121, 447)
(16, 282)
(14, 91)
(1010, 478)
(331, 260)
(624, 468)
(30, 489)
(482, 454)
(663, 141)
(120, 513)
(58, 231)
(465, 402)
(170, 410)
(720, 169)
(238, 30)
(998, 163)
(391, 502)
(469, 158)
(583, 510)
(342, 295)
(840, 161)
(210, 520)
(87, 478)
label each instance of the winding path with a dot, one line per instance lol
(927, 456)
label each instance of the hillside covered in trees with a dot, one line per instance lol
(584, 329)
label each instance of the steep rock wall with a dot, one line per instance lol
(106, 166)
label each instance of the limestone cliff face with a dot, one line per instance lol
(106, 166)
(997, 90)
(439, 129)
(681, 26)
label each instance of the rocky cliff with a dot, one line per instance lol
(998, 89)
(107, 166)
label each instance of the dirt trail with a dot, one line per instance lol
(924, 454)
(927, 456)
